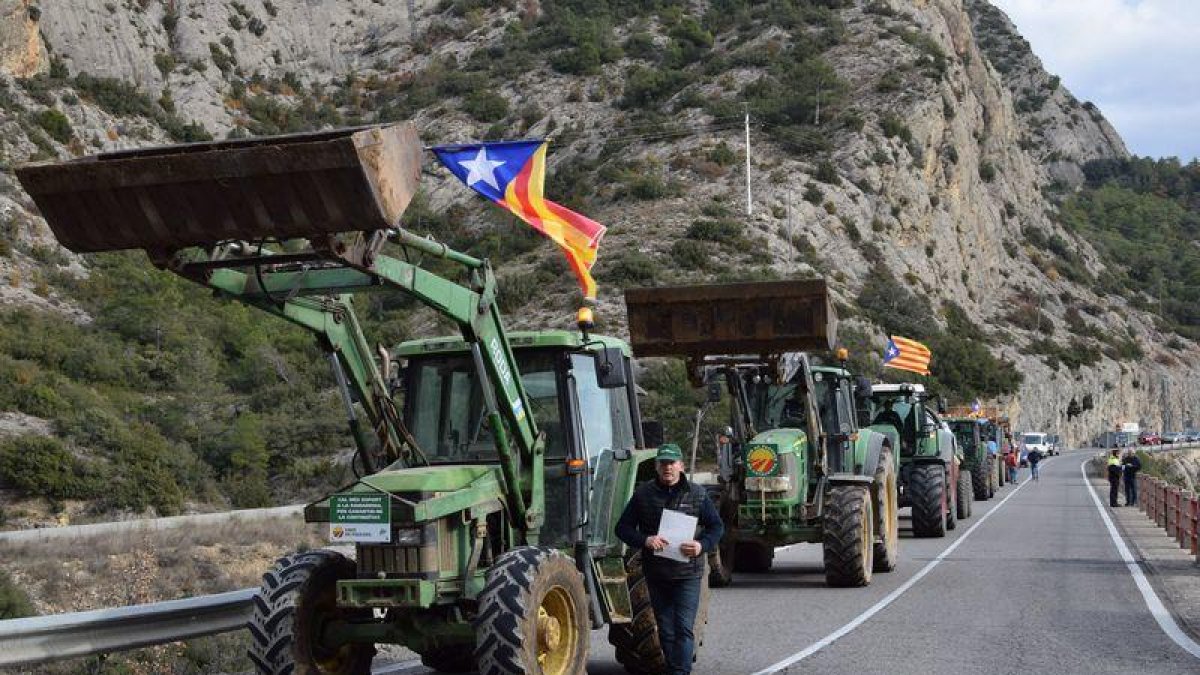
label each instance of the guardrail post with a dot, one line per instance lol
(1194, 516)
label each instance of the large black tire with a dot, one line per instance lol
(926, 489)
(965, 494)
(721, 563)
(636, 643)
(295, 598)
(532, 615)
(887, 512)
(1001, 471)
(848, 536)
(753, 557)
(454, 659)
(981, 481)
(951, 499)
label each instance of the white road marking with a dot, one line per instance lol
(1165, 621)
(887, 599)
(401, 667)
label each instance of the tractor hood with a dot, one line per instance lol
(764, 453)
(421, 494)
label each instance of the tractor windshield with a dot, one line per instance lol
(900, 412)
(447, 415)
(965, 433)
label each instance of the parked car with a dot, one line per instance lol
(1149, 438)
(1173, 437)
(1036, 440)
(1193, 436)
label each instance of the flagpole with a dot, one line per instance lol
(749, 207)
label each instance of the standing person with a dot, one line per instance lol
(1131, 465)
(1033, 458)
(1114, 477)
(674, 586)
(1010, 460)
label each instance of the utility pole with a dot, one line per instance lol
(412, 20)
(749, 207)
(817, 115)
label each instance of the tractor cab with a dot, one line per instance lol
(587, 412)
(904, 407)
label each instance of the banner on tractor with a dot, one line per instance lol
(360, 518)
(905, 354)
(513, 174)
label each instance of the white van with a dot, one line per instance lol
(1036, 440)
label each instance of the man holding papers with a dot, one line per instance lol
(675, 524)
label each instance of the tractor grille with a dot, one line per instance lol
(373, 559)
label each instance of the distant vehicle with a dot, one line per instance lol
(1036, 441)
(1055, 443)
(1193, 436)
(1149, 438)
(1172, 437)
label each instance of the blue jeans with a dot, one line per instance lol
(1130, 490)
(675, 602)
(1033, 471)
(1012, 474)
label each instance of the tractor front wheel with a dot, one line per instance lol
(966, 494)
(927, 490)
(532, 615)
(887, 510)
(849, 536)
(297, 597)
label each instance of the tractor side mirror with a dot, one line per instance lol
(610, 369)
(652, 433)
(941, 405)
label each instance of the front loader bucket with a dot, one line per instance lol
(167, 198)
(770, 317)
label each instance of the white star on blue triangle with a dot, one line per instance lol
(891, 352)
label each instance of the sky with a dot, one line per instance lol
(1137, 60)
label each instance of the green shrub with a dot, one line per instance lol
(485, 106)
(894, 127)
(14, 603)
(987, 171)
(722, 231)
(648, 87)
(40, 466)
(55, 124)
(689, 254)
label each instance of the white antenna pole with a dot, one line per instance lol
(749, 207)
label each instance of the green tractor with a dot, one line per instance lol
(799, 469)
(493, 465)
(975, 457)
(931, 481)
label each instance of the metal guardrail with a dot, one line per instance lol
(147, 524)
(61, 636)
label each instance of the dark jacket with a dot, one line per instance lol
(1132, 465)
(1034, 456)
(1114, 473)
(643, 512)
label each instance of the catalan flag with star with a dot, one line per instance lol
(512, 174)
(905, 354)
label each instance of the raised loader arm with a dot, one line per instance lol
(295, 226)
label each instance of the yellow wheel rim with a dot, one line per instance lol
(868, 542)
(557, 633)
(890, 509)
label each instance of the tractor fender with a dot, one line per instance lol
(849, 479)
(871, 451)
(928, 460)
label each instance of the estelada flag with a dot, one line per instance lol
(512, 174)
(905, 354)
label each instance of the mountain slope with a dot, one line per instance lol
(914, 154)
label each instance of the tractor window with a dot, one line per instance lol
(965, 433)
(445, 406)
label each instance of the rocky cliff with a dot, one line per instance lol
(928, 148)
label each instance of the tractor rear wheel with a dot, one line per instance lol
(532, 615)
(966, 495)
(927, 488)
(296, 598)
(951, 502)
(887, 510)
(753, 557)
(848, 536)
(636, 642)
(721, 563)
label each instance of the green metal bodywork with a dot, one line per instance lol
(971, 442)
(784, 517)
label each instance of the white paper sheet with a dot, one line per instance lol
(676, 527)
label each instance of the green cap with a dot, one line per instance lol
(669, 452)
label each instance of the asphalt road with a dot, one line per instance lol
(1037, 586)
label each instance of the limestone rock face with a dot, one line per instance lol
(22, 53)
(946, 176)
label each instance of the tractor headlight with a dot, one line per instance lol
(407, 537)
(769, 484)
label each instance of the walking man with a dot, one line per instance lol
(1114, 477)
(1010, 461)
(1034, 457)
(1131, 465)
(674, 585)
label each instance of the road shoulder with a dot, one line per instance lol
(1172, 571)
